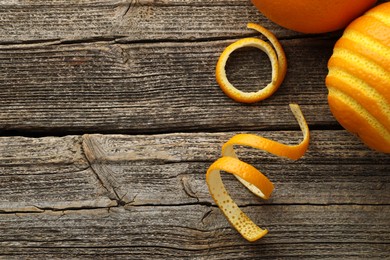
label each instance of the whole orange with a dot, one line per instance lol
(359, 78)
(313, 16)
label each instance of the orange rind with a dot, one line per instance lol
(238, 219)
(249, 176)
(276, 55)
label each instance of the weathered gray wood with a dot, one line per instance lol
(176, 164)
(131, 20)
(51, 172)
(95, 171)
(199, 232)
(158, 87)
(111, 87)
(26, 21)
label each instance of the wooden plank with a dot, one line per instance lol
(163, 169)
(157, 87)
(100, 171)
(26, 21)
(197, 231)
(50, 172)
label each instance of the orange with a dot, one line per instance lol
(249, 176)
(359, 78)
(313, 16)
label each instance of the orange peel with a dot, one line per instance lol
(249, 176)
(276, 55)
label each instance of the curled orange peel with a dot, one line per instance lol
(249, 176)
(275, 54)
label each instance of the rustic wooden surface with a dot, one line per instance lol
(110, 116)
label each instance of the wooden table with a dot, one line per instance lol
(110, 116)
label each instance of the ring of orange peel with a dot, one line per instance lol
(278, 63)
(249, 176)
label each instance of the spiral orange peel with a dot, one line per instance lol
(249, 176)
(278, 63)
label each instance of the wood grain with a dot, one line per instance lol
(130, 196)
(26, 21)
(174, 167)
(57, 203)
(95, 171)
(39, 173)
(197, 231)
(154, 88)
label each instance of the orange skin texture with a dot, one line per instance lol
(351, 119)
(359, 48)
(369, 103)
(372, 27)
(313, 16)
(375, 81)
(276, 55)
(361, 101)
(248, 175)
